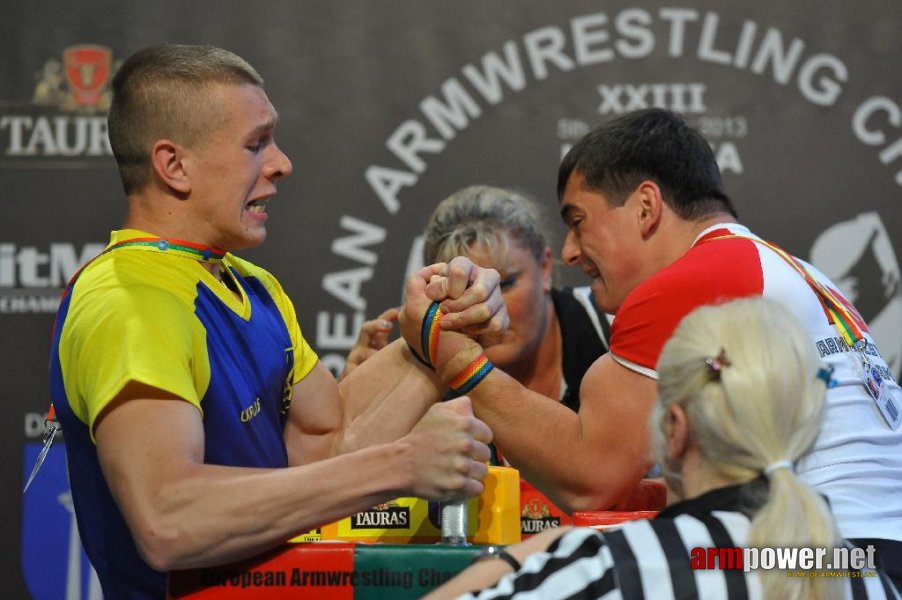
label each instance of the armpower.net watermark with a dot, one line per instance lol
(815, 562)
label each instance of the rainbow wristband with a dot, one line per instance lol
(429, 334)
(417, 356)
(472, 374)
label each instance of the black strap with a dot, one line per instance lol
(582, 343)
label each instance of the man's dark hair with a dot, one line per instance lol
(650, 144)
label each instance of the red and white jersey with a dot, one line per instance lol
(856, 460)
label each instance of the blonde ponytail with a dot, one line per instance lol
(753, 390)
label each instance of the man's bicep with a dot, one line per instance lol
(146, 437)
(615, 404)
(315, 417)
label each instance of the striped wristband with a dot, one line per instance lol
(428, 337)
(471, 375)
(417, 356)
(429, 334)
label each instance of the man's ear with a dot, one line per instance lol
(167, 161)
(650, 207)
(676, 431)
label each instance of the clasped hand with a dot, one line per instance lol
(470, 300)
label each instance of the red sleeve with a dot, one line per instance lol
(709, 273)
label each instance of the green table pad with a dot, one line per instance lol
(329, 570)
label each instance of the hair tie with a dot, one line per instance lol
(716, 363)
(776, 466)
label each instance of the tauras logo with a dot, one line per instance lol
(536, 517)
(67, 114)
(54, 136)
(528, 525)
(384, 517)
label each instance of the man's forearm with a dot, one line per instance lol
(385, 396)
(214, 515)
(555, 449)
(536, 434)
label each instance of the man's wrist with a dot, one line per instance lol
(424, 344)
(466, 352)
(417, 356)
(471, 375)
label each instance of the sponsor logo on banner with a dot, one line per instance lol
(65, 120)
(536, 517)
(383, 516)
(87, 72)
(54, 563)
(32, 278)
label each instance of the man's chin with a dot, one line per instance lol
(250, 239)
(600, 293)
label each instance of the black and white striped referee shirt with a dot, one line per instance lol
(652, 559)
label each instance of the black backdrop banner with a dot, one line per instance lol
(385, 109)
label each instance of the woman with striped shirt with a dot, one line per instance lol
(741, 393)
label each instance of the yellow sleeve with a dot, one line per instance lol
(304, 356)
(137, 333)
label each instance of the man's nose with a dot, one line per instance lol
(570, 253)
(279, 165)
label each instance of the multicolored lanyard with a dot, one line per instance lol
(880, 386)
(209, 254)
(841, 315)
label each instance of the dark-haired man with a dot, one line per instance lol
(649, 222)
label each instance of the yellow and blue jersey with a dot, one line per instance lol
(148, 311)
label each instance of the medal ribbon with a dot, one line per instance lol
(836, 311)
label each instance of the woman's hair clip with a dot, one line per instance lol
(716, 363)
